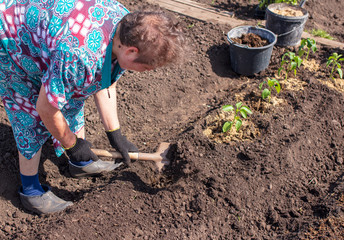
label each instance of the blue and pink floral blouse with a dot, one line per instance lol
(60, 45)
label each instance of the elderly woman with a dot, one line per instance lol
(53, 56)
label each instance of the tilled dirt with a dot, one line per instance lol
(284, 181)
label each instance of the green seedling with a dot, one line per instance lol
(321, 33)
(239, 218)
(243, 110)
(290, 62)
(292, 2)
(191, 25)
(260, 24)
(264, 3)
(272, 83)
(333, 61)
(306, 46)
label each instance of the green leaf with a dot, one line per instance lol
(271, 82)
(261, 85)
(265, 93)
(340, 71)
(239, 104)
(303, 43)
(291, 55)
(286, 54)
(227, 126)
(245, 108)
(277, 86)
(328, 63)
(238, 124)
(228, 108)
(263, 3)
(298, 61)
(279, 71)
(301, 52)
(309, 43)
(293, 65)
(314, 48)
(243, 113)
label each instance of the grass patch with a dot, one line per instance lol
(321, 33)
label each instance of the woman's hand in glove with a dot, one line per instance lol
(81, 151)
(121, 144)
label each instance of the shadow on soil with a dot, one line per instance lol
(220, 60)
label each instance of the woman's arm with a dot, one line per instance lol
(54, 121)
(107, 106)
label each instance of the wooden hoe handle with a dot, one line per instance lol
(134, 156)
(159, 157)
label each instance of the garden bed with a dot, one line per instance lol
(281, 180)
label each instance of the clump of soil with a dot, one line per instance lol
(289, 12)
(251, 40)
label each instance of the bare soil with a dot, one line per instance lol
(279, 177)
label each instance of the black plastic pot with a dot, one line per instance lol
(288, 29)
(260, 12)
(250, 60)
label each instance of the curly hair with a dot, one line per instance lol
(158, 36)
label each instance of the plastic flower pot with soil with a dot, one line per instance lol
(260, 9)
(250, 49)
(287, 22)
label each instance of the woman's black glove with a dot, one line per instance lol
(121, 144)
(81, 151)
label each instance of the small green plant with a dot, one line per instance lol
(243, 110)
(290, 62)
(191, 25)
(239, 218)
(306, 46)
(264, 3)
(321, 33)
(333, 61)
(272, 83)
(260, 24)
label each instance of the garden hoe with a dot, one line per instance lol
(159, 157)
